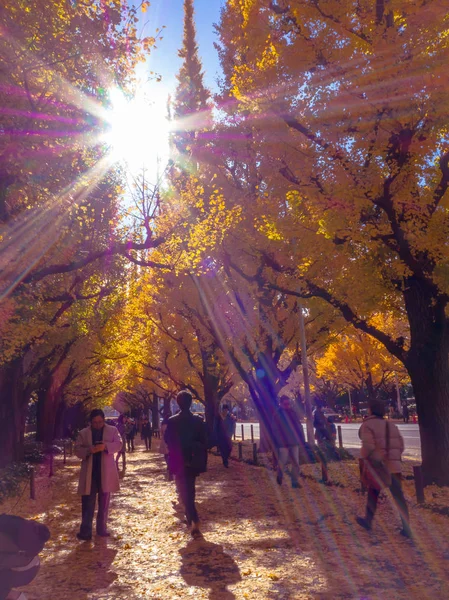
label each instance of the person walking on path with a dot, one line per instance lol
(225, 428)
(382, 448)
(405, 413)
(163, 448)
(230, 421)
(122, 451)
(130, 432)
(146, 433)
(325, 435)
(186, 438)
(323, 432)
(96, 446)
(288, 439)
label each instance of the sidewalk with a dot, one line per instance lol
(260, 541)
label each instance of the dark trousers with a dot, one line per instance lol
(398, 497)
(225, 448)
(88, 508)
(122, 454)
(167, 462)
(147, 441)
(185, 484)
(130, 444)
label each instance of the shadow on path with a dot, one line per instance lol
(88, 567)
(206, 565)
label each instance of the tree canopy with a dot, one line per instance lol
(316, 177)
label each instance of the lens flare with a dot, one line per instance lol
(137, 130)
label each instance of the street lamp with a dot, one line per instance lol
(305, 372)
(350, 403)
(398, 393)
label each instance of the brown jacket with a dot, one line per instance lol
(373, 434)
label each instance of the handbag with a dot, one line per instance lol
(375, 473)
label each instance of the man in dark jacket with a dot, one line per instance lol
(289, 440)
(323, 431)
(225, 429)
(186, 438)
(146, 433)
(130, 432)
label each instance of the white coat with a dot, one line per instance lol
(109, 474)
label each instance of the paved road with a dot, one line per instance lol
(409, 432)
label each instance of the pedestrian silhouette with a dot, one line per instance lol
(206, 565)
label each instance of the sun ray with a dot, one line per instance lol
(33, 235)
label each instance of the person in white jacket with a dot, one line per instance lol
(96, 446)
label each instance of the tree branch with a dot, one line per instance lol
(395, 347)
(120, 248)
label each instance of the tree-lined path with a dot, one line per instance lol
(260, 541)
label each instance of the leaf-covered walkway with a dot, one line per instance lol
(260, 541)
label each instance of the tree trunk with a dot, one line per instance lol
(59, 420)
(265, 404)
(264, 383)
(155, 412)
(428, 367)
(166, 410)
(49, 399)
(211, 404)
(13, 409)
(431, 387)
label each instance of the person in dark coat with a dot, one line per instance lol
(288, 439)
(323, 433)
(229, 420)
(130, 432)
(225, 428)
(405, 413)
(186, 438)
(146, 433)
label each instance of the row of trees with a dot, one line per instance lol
(319, 181)
(58, 206)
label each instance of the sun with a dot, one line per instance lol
(138, 130)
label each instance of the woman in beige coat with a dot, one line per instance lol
(374, 433)
(96, 446)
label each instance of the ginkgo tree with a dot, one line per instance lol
(346, 104)
(358, 361)
(168, 345)
(57, 60)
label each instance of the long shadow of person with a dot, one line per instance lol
(206, 565)
(84, 571)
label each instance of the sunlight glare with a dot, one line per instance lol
(138, 130)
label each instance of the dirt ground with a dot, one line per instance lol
(261, 541)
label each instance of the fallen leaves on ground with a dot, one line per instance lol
(261, 541)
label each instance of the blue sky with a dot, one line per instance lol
(164, 59)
